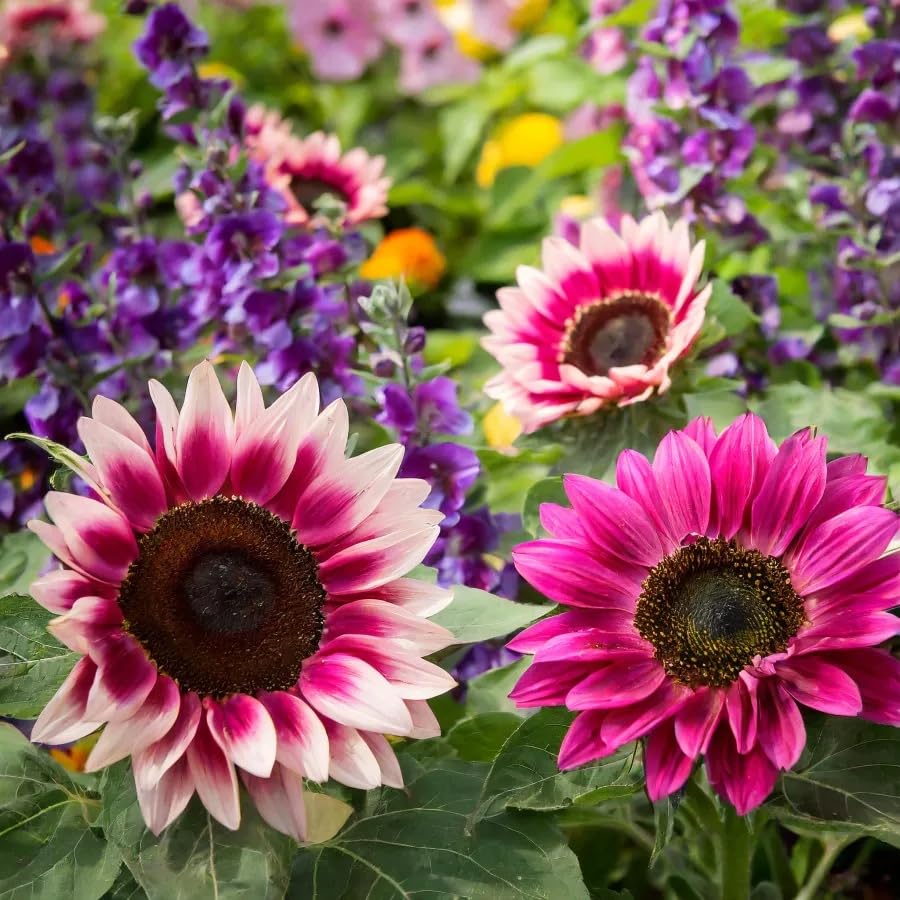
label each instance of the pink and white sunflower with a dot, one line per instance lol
(601, 325)
(25, 23)
(713, 594)
(303, 170)
(237, 593)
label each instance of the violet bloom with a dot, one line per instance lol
(339, 36)
(170, 46)
(432, 409)
(243, 246)
(18, 301)
(450, 469)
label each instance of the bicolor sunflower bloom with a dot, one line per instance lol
(713, 594)
(303, 170)
(237, 595)
(602, 323)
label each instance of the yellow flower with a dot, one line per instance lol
(471, 46)
(221, 70)
(500, 428)
(526, 140)
(528, 13)
(850, 25)
(410, 253)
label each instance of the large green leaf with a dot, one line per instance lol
(427, 841)
(22, 556)
(195, 858)
(48, 848)
(548, 490)
(476, 615)
(33, 664)
(848, 777)
(490, 692)
(525, 774)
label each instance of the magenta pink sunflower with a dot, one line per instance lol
(601, 324)
(238, 597)
(303, 170)
(713, 593)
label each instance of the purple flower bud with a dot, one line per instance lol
(415, 340)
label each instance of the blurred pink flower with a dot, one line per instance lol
(408, 23)
(61, 21)
(437, 62)
(606, 50)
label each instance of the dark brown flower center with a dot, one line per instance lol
(309, 190)
(224, 599)
(711, 607)
(626, 330)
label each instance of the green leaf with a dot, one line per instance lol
(664, 820)
(490, 692)
(425, 841)
(63, 455)
(729, 310)
(525, 773)
(481, 737)
(22, 556)
(195, 858)
(848, 777)
(33, 664)
(49, 849)
(461, 127)
(550, 490)
(476, 615)
(768, 71)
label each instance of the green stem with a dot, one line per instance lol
(779, 864)
(830, 850)
(736, 853)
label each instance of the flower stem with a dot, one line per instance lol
(735, 856)
(830, 850)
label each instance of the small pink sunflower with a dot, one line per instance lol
(601, 324)
(713, 593)
(304, 170)
(64, 21)
(237, 596)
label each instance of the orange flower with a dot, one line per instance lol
(409, 253)
(41, 246)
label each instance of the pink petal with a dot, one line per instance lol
(568, 573)
(203, 443)
(855, 464)
(702, 432)
(535, 636)
(99, 538)
(243, 728)
(124, 680)
(877, 675)
(613, 521)
(114, 415)
(58, 590)
(342, 497)
(738, 464)
(840, 546)
(682, 476)
(620, 683)
(790, 491)
(820, 685)
(352, 761)
(425, 723)
(843, 494)
(128, 473)
(561, 522)
(64, 718)
(150, 723)
(375, 562)
(152, 762)
(626, 723)
(214, 777)
(265, 455)
(848, 629)
(279, 800)
(782, 734)
(744, 780)
(667, 767)
(386, 758)
(302, 739)
(547, 684)
(352, 693)
(414, 596)
(634, 477)
(249, 405)
(597, 646)
(741, 711)
(411, 677)
(385, 620)
(878, 579)
(165, 800)
(166, 431)
(697, 720)
(582, 743)
(90, 620)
